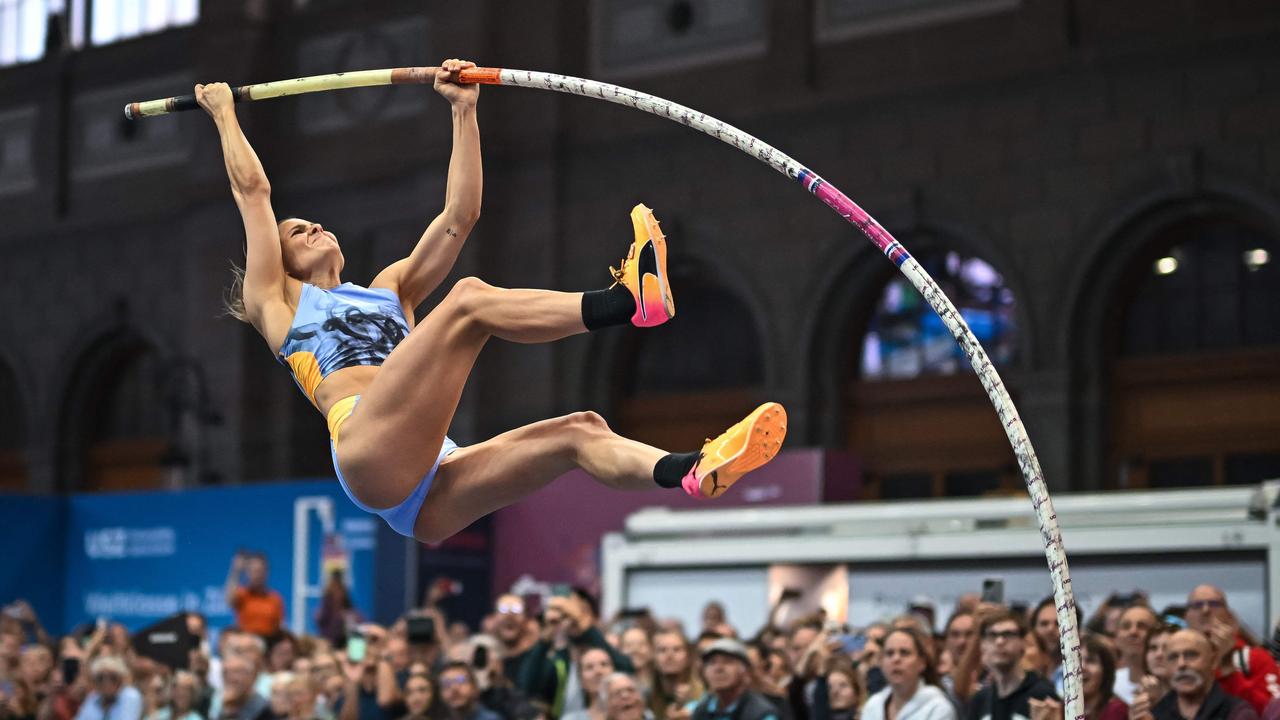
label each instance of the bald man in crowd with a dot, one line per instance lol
(1245, 671)
(1194, 694)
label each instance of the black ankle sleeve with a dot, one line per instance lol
(672, 468)
(603, 308)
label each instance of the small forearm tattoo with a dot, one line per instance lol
(450, 232)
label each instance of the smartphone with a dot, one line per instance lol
(70, 670)
(480, 657)
(356, 647)
(993, 590)
(853, 644)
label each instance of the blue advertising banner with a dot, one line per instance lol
(32, 531)
(136, 558)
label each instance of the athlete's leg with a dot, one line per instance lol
(478, 479)
(396, 431)
(394, 436)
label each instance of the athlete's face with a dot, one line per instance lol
(307, 248)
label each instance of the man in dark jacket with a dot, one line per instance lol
(1007, 694)
(726, 668)
(1194, 694)
(550, 671)
(1246, 671)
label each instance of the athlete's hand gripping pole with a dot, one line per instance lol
(314, 83)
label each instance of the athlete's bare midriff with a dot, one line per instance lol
(344, 383)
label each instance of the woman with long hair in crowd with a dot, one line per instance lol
(594, 665)
(184, 696)
(156, 696)
(336, 612)
(1097, 680)
(419, 695)
(1157, 676)
(31, 683)
(912, 692)
(637, 644)
(677, 682)
(389, 386)
(282, 650)
(959, 636)
(839, 693)
(1044, 626)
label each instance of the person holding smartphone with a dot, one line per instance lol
(551, 672)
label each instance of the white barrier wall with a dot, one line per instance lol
(1163, 542)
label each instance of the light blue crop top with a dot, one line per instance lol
(339, 328)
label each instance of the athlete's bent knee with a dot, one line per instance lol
(467, 297)
(575, 431)
(587, 419)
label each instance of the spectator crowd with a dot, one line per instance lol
(988, 661)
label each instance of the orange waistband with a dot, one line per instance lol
(339, 413)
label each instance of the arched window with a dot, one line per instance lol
(1195, 347)
(917, 418)
(905, 338)
(13, 434)
(691, 378)
(116, 424)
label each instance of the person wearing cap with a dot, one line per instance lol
(112, 697)
(726, 668)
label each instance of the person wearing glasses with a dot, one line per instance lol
(461, 694)
(1245, 670)
(515, 634)
(1009, 689)
(112, 697)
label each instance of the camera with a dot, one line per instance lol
(421, 630)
